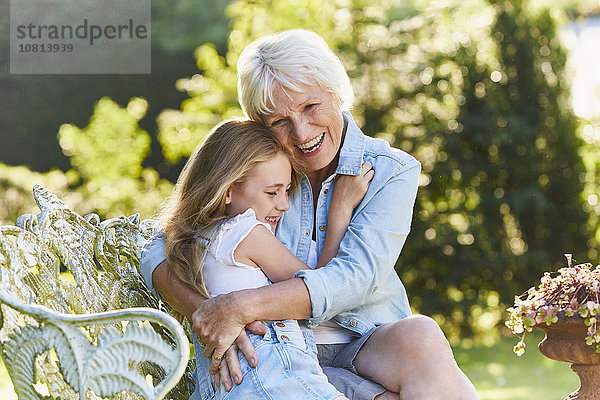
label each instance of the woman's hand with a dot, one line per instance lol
(230, 372)
(217, 322)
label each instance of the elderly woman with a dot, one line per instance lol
(368, 343)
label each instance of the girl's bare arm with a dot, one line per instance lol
(261, 248)
(347, 194)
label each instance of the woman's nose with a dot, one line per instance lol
(302, 131)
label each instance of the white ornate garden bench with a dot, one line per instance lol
(95, 331)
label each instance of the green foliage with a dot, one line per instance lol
(576, 8)
(501, 202)
(15, 190)
(34, 106)
(180, 25)
(213, 99)
(107, 157)
(590, 153)
(213, 93)
(111, 145)
(107, 176)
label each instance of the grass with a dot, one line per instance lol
(496, 372)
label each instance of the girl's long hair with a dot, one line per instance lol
(225, 159)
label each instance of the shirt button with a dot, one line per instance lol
(352, 323)
(306, 233)
(283, 337)
(280, 324)
(322, 228)
(326, 191)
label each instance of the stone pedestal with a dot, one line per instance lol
(565, 341)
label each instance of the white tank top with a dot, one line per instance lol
(222, 273)
(328, 332)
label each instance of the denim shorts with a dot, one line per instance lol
(337, 361)
(288, 369)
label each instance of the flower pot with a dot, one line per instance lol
(565, 341)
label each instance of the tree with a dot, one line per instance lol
(513, 170)
(107, 176)
(34, 106)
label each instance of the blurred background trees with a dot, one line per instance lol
(477, 90)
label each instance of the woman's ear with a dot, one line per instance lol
(228, 197)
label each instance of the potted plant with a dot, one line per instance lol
(566, 305)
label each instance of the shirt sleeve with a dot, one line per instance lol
(369, 249)
(153, 253)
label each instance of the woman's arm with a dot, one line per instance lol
(370, 247)
(180, 296)
(185, 300)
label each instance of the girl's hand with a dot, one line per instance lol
(349, 190)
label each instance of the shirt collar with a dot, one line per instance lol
(353, 149)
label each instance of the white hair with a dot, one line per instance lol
(290, 58)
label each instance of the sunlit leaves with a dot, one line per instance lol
(112, 145)
(213, 98)
(107, 157)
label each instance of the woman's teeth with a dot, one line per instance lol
(312, 145)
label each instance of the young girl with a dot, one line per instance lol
(219, 227)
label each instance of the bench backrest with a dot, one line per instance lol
(80, 334)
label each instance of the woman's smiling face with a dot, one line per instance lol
(309, 123)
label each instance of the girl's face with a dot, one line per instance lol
(265, 191)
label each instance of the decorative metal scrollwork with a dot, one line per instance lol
(82, 334)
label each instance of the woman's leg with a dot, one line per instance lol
(387, 396)
(413, 359)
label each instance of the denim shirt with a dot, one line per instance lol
(359, 288)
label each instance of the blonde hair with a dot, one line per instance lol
(226, 158)
(289, 59)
